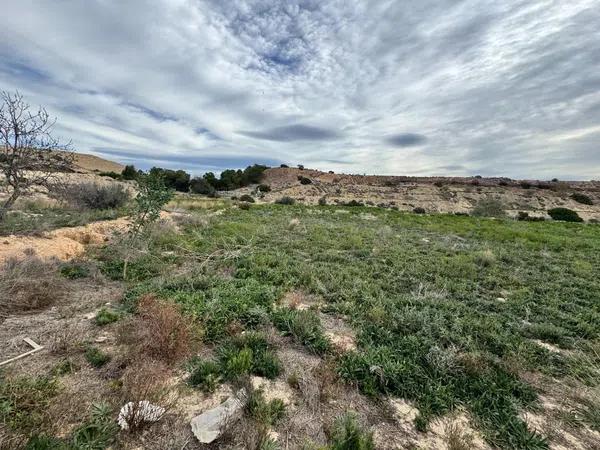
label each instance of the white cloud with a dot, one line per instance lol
(472, 86)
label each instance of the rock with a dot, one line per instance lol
(145, 411)
(209, 425)
(101, 339)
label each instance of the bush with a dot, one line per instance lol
(173, 179)
(564, 214)
(489, 207)
(201, 186)
(244, 206)
(96, 357)
(300, 166)
(582, 198)
(159, 331)
(354, 203)
(29, 284)
(524, 216)
(94, 195)
(106, 316)
(284, 166)
(322, 201)
(525, 184)
(348, 434)
(285, 201)
(304, 180)
(247, 198)
(74, 271)
(264, 188)
(129, 173)
(419, 210)
(113, 175)
(205, 375)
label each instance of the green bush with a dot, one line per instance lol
(129, 173)
(248, 353)
(354, 203)
(96, 196)
(96, 357)
(489, 207)
(582, 198)
(106, 316)
(304, 180)
(322, 201)
(419, 210)
(247, 198)
(285, 201)
(564, 214)
(205, 375)
(74, 271)
(201, 186)
(264, 188)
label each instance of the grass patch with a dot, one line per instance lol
(428, 323)
(106, 316)
(96, 357)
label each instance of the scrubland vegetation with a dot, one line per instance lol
(449, 312)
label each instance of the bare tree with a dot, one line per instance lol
(29, 155)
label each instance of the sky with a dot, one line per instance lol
(428, 87)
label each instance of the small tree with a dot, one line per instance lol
(129, 173)
(152, 196)
(29, 154)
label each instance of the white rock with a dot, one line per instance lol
(143, 412)
(209, 425)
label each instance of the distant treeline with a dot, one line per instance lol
(208, 184)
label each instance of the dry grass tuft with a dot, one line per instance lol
(160, 331)
(29, 284)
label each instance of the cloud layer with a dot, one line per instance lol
(431, 87)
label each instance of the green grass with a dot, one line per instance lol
(420, 292)
(106, 316)
(96, 357)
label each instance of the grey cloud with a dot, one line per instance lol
(406, 139)
(291, 133)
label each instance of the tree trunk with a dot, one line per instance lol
(8, 204)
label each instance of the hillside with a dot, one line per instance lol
(434, 194)
(91, 163)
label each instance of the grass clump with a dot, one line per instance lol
(74, 271)
(246, 198)
(106, 316)
(348, 434)
(263, 411)
(94, 195)
(304, 326)
(564, 214)
(96, 357)
(205, 375)
(248, 353)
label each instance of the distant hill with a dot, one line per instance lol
(91, 163)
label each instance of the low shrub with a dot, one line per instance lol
(74, 271)
(106, 316)
(525, 184)
(248, 353)
(204, 374)
(322, 201)
(489, 207)
(96, 357)
(305, 326)
(160, 331)
(246, 198)
(264, 188)
(285, 201)
(419, 210)
(244, 206)
(485, 258)
(113, 175)
(88, 195)
(564, 214)
(582, 198)
(304, 180)
(200, 186)
(524, 216)
(29, 284)
(354, 203)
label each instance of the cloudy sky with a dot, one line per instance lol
(456, 87)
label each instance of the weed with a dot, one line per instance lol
(489, 207)
(24, 402)
(97, 432)
(205, 375)
(485, 258)
(106, 316)
(264, 412)
(304, 326)
(249, 353)
(74, 271)
(64, 367)
(96, 357)
(348, 434)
